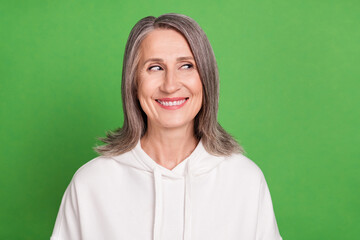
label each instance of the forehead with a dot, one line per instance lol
(164, 43)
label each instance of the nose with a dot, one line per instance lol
(170, 83)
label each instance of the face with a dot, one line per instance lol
(169, 86)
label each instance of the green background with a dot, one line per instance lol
(289, 75)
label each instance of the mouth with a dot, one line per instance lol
(172, 103)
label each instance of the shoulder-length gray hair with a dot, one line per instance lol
(206, 127)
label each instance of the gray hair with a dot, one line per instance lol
(206, 127)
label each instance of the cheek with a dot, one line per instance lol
(145, 90)
(145, 93)
(147, 85)
(196, 88)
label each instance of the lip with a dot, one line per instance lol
(170, 100)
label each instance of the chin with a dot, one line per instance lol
(173, 123)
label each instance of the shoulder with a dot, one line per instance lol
(101, 168)
(242, 162)
(242, 166)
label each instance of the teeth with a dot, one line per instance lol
(172, 103)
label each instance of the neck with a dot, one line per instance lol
(169, 147)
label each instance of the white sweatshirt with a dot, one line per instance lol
(131, 197)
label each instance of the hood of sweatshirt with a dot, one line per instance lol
(199, 162)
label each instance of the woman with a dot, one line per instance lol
(171, 171)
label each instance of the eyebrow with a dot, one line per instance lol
(162, 60)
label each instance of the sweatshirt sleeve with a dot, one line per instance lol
(267, 228)
(67, 225)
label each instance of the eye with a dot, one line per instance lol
(187, 66)
(155, 68)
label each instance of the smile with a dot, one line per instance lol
(172, 103)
